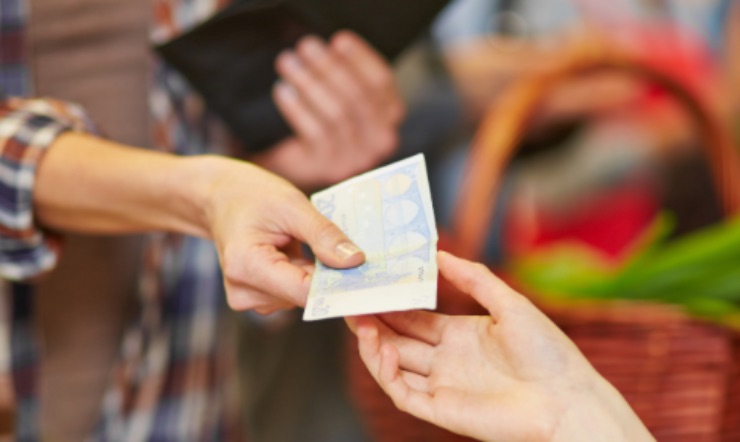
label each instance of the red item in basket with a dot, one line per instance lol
(608, 223)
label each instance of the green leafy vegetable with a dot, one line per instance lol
(699, 271)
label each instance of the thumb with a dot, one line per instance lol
(330, 245)
(477, 281)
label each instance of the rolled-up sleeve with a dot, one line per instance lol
(27, 129)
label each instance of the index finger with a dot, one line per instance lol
(383, 362)
(271, 272)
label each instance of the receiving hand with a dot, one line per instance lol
(341, 100)
(510, 376)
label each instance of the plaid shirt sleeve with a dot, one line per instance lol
(27, 128)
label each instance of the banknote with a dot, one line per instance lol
(388, 213)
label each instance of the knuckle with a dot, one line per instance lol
(366, 164)
(325, 230)
(307, 43)
(383, 79)
(292, 197)
(336, 114)
(341, 173)
(398, 111)
(242, 302)
(368, 159)
(350, 87)
(316, 134)
(400, 403)
(354, 94)
(235, 264)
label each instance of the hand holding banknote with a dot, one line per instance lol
(254, 217)
(388, 214)
(510, 376)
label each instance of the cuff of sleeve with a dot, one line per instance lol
(27, 129)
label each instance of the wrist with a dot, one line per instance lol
(598, 412)
(192, 186)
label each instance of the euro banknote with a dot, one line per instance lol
(388, 213)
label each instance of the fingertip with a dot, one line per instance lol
(464, 275)
(351, 322)
(311, 48)
(445, 261)
(362, 326)
(365, 327)
(280, 60)
(443, 254)
(355, 260)
(343, 41)
(309, 39)
(368, 337)
(456, 268)
(287, 61)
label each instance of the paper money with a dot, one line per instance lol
(388, 213)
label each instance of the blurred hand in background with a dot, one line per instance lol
(341, 100)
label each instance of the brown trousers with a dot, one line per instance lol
(95, 53)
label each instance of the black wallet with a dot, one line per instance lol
(229, 59)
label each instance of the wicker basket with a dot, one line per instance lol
(681, 375)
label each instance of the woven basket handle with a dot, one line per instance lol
(506, 120)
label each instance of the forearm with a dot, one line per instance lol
(87, 184)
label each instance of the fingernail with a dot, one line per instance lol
(342, 42)
(346, 249)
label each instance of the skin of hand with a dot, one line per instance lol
(510, 376)
(341, 100)
(88, 185)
